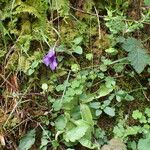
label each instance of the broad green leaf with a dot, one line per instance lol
(87, 143)
(78, 50)
(78, 40)
(147, 112)
(144, 144)
(103, 91)
(76, 133)
(147, 2)
(61, 122)
(137, 55)
(45, 139)
(85, 98)
(131, 44)
(27, 141)
(95, 105)
(98, 112)
(86, 114)
(57, 105)
(110, 111)
(139, 59)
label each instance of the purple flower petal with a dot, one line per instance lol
(53, 65)
(46, 60)
(51, 53)
(50, 59)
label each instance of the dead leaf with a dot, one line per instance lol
(114, 144)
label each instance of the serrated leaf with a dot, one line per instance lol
(86, 114)
(139, 59)
(137, 55)
(76, 133)
(27, 141)
(131, 44)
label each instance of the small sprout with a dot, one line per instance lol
(44, 87)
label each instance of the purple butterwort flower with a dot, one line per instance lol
(50, 59)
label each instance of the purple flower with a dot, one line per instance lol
(50, 59)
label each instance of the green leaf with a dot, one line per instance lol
(103, 67)
(45, 139)
(137, 114)
(27, 141)
(30, 71)
(147, 112)
(87, 143)
(98, 112)
(139, 59)
(89, 56)
(61, 122)
(110, 111)
(110, 50)
(137, 55)
(78, 50)
(76, 133)
(86, 114)
(95, 105)
(103, 91)
(57, 105)
(144, 144)
(75, 67)
(78, 40)
(2, 53)
(147, 2)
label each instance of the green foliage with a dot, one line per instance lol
(143, 118)
(76, 133)
(87, 100)
(45, 139)
(137, 55)
(115, 23)
(144, 143)
(110, 111)
(61, 6)
(147, 2)
(27, 141)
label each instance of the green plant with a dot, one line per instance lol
(88, 98)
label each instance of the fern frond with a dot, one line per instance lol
(24, 8)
